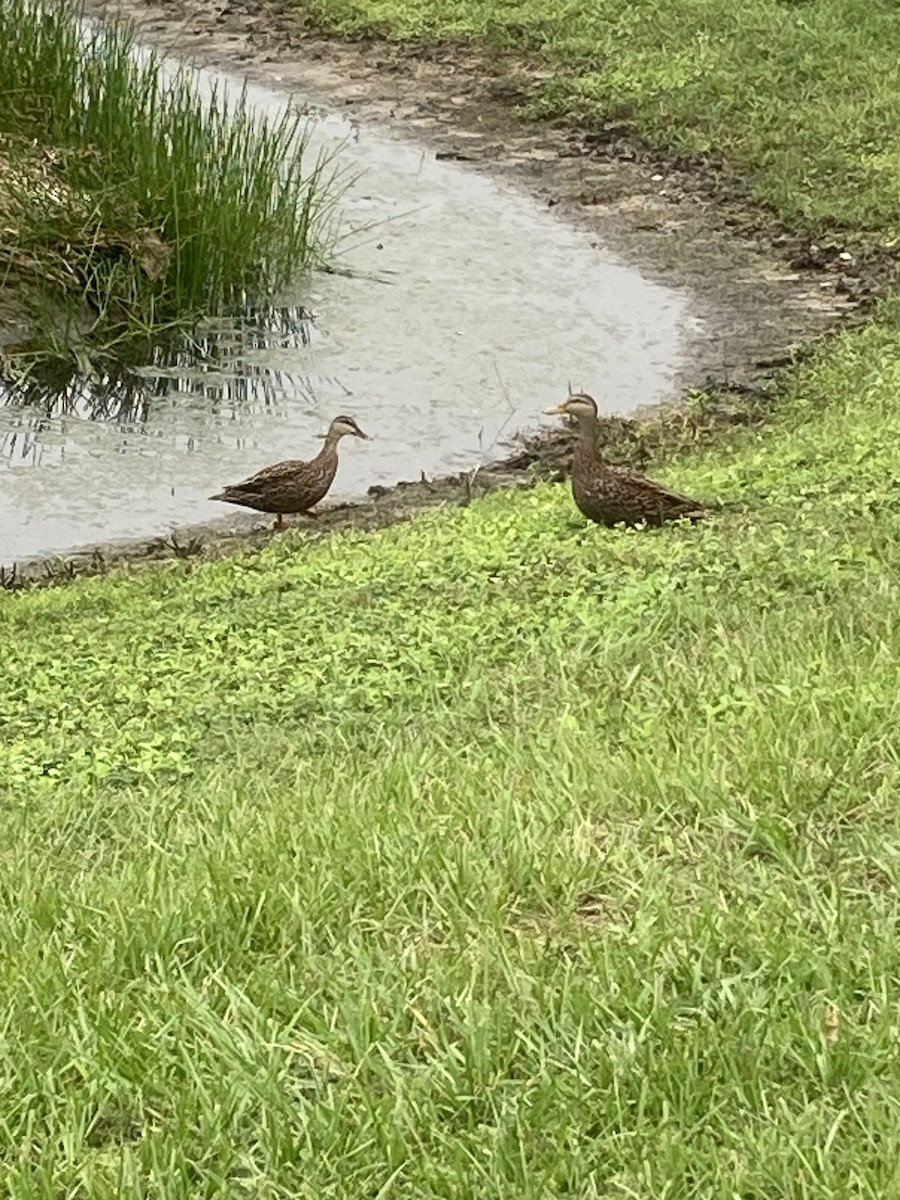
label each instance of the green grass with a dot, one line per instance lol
(797, 100)
(130, 204)
(491, 855)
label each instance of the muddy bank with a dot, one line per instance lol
(384, 506)
(632, 441)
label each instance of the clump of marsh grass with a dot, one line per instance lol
(130, 205)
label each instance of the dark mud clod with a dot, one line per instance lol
(189, 549)
(10, 579)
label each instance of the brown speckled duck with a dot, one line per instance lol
(294, 486)
(615, 495)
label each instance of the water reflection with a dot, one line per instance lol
(212, 364)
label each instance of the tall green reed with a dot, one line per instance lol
(134, 192)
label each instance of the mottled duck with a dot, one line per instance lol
(294, 486)
(615, 495)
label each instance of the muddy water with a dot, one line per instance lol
(464, 309)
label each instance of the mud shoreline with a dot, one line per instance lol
(545, 456)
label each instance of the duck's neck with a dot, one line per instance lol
(587, 441)
(331, 445)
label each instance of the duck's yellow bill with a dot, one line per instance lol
(559, 410)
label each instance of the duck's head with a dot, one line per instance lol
(578, 405)
(344, 427)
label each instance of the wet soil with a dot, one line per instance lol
(765, 290)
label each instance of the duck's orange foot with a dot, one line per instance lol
(279, 523)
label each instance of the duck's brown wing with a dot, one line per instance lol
(268, 476)
(267, 489)
(658, 501)
(615, 495)
(287, 487)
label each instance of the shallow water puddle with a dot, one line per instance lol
(465, 309)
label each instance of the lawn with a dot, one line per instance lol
(795, 101)
(491, 855)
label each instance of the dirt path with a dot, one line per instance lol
(761, 289)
